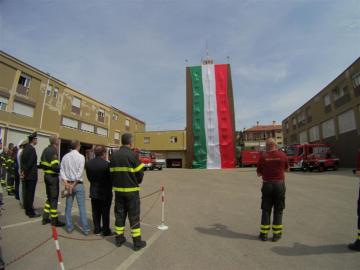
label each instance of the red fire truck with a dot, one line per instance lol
(145, 158)
(311, 156)
(249, 157)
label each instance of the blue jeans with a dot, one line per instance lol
(79, 193)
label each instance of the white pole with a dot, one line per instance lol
(162, 226)
(43, 106)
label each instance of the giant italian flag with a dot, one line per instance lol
(212, 118)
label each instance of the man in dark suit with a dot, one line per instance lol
(98, 173)
(29, 171)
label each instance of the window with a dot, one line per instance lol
(356, 80)
(314, 134)
(68, 122)
(23, 84)
(327, 100)
(49, 90)
(301, 118)
(76, 103)
(346, 121)
(87, 127)
(117, 135)
(328, 128)
(101, 131)
(127, 124)
(101, 115)
(23, 109)
(146, 140)
(303, 137)
(24, 80)
(3, 103)
(339, 92)
(294, 121)
(56, 92)
(136, 126)
(115, 116)
(173, 139)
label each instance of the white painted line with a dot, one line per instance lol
(135, 256)
(21, 223)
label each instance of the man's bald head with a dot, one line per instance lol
(270, 144)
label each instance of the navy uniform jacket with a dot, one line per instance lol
(98, 173)
(28, 163)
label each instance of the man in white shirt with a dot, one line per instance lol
(71, 171)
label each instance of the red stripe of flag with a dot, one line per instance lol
(226, 129)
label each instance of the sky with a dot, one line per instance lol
(132, 54)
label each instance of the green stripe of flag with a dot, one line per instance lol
(200, 154)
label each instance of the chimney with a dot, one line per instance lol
(274, 122)
(257, 123)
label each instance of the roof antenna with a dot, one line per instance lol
(207, 60)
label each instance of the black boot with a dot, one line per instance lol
(276, 237)
(263, 236)
(138, 243)
(119, 240)
(45, 221)
(355, 246)
(57, 223)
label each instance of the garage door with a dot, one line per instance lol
(15, 136)
(43, 142)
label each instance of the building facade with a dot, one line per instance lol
(255, 137)
(332, 116)
(171, 144)
(32, 100)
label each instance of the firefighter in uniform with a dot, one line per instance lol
(10, 170)
(3, 158)
(51, 167)
(127, 173)
(271, 167)
(356, 245)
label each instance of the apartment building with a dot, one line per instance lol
(171, 144)
(33, 100)
(254, 137)
(332, 116)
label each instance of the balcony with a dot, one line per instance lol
(75, 110)
(101, 118)
(327, 108)
(22, 90)
(357, 91)
(342, 100)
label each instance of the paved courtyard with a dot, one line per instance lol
(213, 218)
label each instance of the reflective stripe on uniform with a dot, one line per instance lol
(127, 169)
(53, 211)
(264, 228)
(54, 215)
(119, 230)
(277, 227)
(50, 172)
(49, 164)
(136, 232)
(132, 189)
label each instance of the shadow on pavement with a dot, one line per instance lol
(304, 250)
(223, 231)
